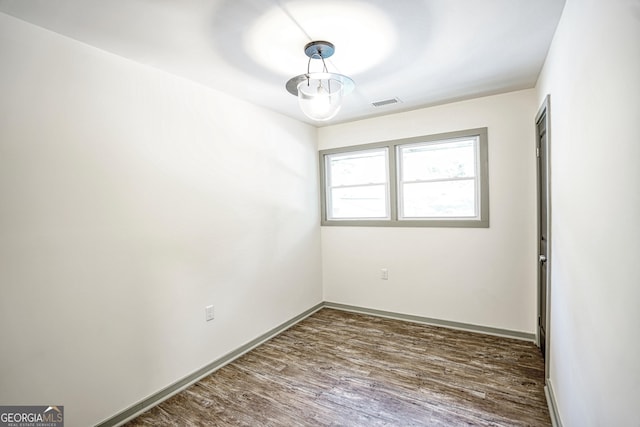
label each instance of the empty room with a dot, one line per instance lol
(319, 213)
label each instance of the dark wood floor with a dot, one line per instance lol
(342, 369)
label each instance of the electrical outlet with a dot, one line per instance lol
(384, 274)
(208, 310)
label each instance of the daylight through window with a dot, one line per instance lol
(358, 186)
(438, 180)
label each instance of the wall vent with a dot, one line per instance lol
(385, 102)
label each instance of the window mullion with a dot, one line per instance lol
(395, 193)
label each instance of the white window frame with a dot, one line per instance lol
(475, 178)
(481, 220)
(329, 184)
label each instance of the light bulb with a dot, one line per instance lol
(320, 99)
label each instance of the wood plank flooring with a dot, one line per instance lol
(338, 368)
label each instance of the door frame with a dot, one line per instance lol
(544, 114)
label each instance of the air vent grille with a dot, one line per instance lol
(385, 102)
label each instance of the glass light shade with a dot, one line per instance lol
(320, 99)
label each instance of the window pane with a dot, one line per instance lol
(444, 199)
(438, 161)
(359, 202)
(368, 167)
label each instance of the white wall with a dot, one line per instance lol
(482, 276)
(129, 200)
(592, 73)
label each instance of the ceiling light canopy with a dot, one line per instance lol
(320, 93)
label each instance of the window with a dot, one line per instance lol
(428, 181)
(358, 185)
(438, 179)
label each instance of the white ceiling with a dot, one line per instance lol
(424, 52)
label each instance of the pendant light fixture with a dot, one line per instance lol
(320, 93)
